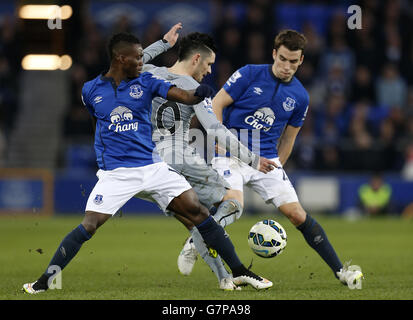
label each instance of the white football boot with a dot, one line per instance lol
(351, 275)
(187, 257)
(252, 279)
(227, 284)
(28, 288)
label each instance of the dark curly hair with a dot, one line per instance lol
(118, 40)
(193, 42)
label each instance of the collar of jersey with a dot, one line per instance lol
(111, 80)
(278, 79)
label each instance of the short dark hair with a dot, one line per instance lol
(117, 39)
(290, 39)
(195, 42)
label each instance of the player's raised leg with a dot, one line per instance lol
(229, 210)
(226, 207)
(187, 205)
(195, 244)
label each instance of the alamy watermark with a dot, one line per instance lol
(56, 22)
(216, 142)
(55, 281)
(354, 21)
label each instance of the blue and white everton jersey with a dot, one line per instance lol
(263, 105)
(123, 136)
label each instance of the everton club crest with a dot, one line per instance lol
(289, 104)
(98, 199)
(136, 91)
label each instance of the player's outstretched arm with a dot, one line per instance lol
(220, 102)
(190, 97)
(286, 143)
(209, 122)
(158, 47)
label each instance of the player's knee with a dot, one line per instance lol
(189, 202)
(234, 194)
(187, 223)
(294, 212)
(89, 227)
(93, 221)
(188, 205)
(298, 217)
(198, 212)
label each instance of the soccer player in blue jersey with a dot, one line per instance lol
(120, 101)
(269, 100)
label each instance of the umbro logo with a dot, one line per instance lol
(98, 99)
(318, 239)
(257, 90)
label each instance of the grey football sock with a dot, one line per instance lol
(214, 261)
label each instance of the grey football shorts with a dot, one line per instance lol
(206, 182)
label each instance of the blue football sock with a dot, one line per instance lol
(67, 249)
(215, 237)
(317, 239)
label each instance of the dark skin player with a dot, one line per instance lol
(127, 64)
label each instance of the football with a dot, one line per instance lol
(267, 238)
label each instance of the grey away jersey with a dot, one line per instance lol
(171, 120)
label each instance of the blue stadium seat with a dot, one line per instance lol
(288, 16)
(295, 16)
(318, 16)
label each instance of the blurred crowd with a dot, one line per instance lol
(360, 81)
(10, 57)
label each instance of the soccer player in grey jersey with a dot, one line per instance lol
(171, 123)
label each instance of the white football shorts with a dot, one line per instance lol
(156, 182)
(273, 187)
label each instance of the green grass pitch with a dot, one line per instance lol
(135, 258)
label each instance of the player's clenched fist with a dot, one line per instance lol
(204, 91)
